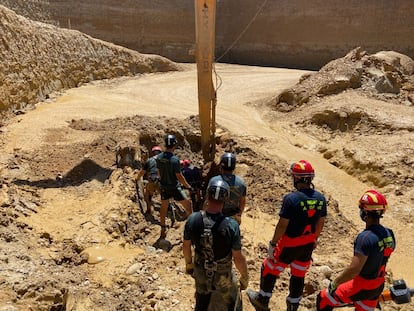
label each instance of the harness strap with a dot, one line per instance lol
(207, 253)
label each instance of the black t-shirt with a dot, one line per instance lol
(168, 165)
(303, 209)
(226, 235)
(372, 242)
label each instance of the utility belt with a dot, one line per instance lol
(153, 179)
(223, 264)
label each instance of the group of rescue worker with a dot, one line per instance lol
(212, 238)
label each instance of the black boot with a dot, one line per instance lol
(259, 302)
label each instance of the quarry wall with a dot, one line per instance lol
(286, 33)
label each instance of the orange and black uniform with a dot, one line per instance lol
(377, 243)
(303, 208)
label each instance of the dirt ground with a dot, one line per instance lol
(72, 233)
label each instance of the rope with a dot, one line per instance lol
(244, 30)
(218, 78)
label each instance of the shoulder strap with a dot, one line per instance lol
(206, 239)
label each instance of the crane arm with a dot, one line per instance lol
(205, 18)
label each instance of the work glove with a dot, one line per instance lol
(244, 282)
(189, 268)
(332, 287)
(271, 250)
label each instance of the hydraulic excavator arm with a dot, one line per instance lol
(205, 19)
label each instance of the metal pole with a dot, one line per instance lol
(205, 18)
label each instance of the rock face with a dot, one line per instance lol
(294, 33)
(38, 59)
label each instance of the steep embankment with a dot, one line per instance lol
(293, 34)
(38, 59)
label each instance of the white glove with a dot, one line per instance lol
(271, 250)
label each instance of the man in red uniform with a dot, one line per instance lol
(301, 221)
(362, 282)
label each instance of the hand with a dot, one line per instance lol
(189, 268)
(244, 282)
(271, 250)
(332, 287)
(315, 245)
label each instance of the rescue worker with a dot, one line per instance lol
(302, 218)
(171, 180)
(362, 282)
(150, 173)
(216, 239)
(193, 175)
(234, 206)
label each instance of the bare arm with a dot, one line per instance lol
(319, 226)
(187, 251)
(242, 204)
(355, 267)
(140, 174)
(240, 262)
(182, 180)
(280, 229)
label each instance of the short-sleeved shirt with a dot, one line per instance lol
(372, 242)
(226, 235)
(192, 175)
(150, 166)
(168, 165)
(237, 191)
(303, 208)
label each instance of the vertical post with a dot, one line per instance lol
(205, 19)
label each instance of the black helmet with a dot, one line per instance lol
(218, 189)
(228, 161)
(170, 141)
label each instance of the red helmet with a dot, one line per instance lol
(372, 201)
(156, 148)
(186, 162)
(301, 169)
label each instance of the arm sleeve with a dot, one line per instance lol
(188, 228)
(236, 240)
(363, 243)
(175, 162)
(285, 211)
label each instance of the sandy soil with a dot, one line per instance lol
(84, 236)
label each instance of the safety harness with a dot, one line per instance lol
(207, 252)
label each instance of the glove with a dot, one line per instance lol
(271, 250)
(244, 282)
(189, 268)
(332, 287)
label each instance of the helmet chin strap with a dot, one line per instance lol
(363, 214)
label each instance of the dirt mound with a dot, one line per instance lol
(90, 168)
(385, 75)
(39, 59)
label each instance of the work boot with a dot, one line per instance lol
(259, 302)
